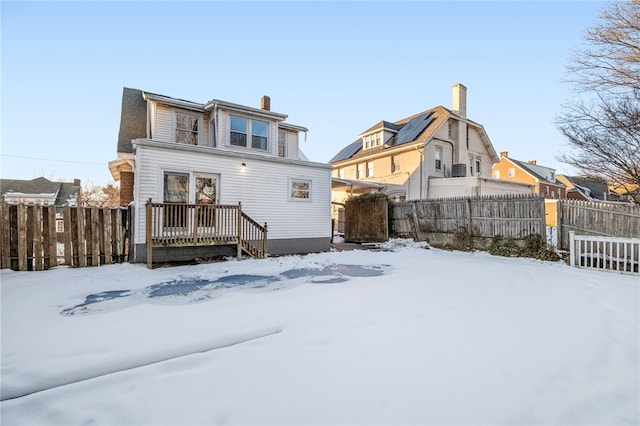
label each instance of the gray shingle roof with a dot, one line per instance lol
(597, 187)
(133, 119)
(41, 185)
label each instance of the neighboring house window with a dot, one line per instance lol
(438, 157)
(399, 198)
(471, 170)
(552, 177)
(547, 190)
(300, 189)
(511, 172)
(59, 226)
(369, 168)
(496, 174)
(478, 165)
(241, 128)
(282, 143)
(371, 141)
(395, 163)
(467, 136)
(186, 129)
(360, 171)
(341, 173)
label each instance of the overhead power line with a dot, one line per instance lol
(52, 159)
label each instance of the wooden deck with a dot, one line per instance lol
(189, 225)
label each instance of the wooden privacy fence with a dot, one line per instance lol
(366, 219)
(190, 225)
(601, 219)
(512, 216)
(605, 253)
(33, 239)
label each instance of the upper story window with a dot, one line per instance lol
(242, 128)
(341, 173)
(371, 141)
(360, 171)
(395, 163)
(511, 172)
(496, 174)
(438, 158)
(369, 168)
(478, 165)
(186, 129)
(450, 130)
(282, 143)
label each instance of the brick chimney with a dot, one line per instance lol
(459, 100)
(76, 182)
(532, 162)
(504, 154)
(265, 103)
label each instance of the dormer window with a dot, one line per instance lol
(373, 140)
(242, 128)
(186, 129)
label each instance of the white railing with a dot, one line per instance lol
(605, 253)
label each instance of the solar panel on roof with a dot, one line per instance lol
(414, 127)
(348, 151)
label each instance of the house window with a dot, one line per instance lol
(259, 130)
(395, 163)
(478, 165)
(438, 157)
(467, 136)
(511, 172)
(186, 129)
(360, 171)
(369, 168)
(341, 173)
(496, 174)
(282, 143)
(241, 128)
(238, 131)
(450, 130)
(371, 141)
(299, 189)
(59, 226)
(176, 191)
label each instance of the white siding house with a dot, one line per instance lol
(244, 155)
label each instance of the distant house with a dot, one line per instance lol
(185, 153)
(435, 153)
(543, 178)
(589, 188)
(43, 192)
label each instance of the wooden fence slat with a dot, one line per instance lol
(52, 236)
(107, 236)
(36, 223)
(81, 241)
(22, 237)
(95, 236)
(68, 236)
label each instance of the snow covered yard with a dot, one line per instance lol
(409, 336)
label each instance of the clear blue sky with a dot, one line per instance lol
(336, 68)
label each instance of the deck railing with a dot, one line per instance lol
(605, 253)
(188, 225)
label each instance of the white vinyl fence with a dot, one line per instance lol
(605, 253)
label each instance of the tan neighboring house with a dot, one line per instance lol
(433, 154)
(43, 192)
(542, 178)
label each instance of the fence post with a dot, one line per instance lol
(239, 254)
(37, 238)
(148, 228)
(68, 253)
(414, 214)
(264, 241)
(572, 249)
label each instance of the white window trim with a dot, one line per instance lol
(511, 172)
(174, 124)
(250, 134)
(290, 187)
(438, 150)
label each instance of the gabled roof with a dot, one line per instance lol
(590, 187)
(133, 119)
(417, 128)
(41, 186)
(529, 168)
